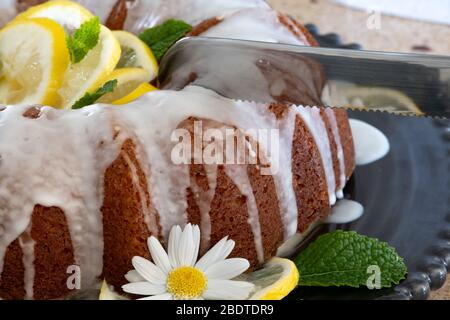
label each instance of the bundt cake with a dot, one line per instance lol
(82, 190)
(88, 187)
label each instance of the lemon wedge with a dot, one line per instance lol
(142, 89)
(34, 57)
(91, 72)
(135, 53)
(128, 79)
(68, 14)
(274, 281)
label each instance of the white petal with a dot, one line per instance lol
(159, 255)
(148, 271)
(227, 269)
(174, 240)
(229, 246)
(215, 254)
(227, 290)
(144, 288)
(164, 296)
(186, 248)
(134, 276)
(196, 237)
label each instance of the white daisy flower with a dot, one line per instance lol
(178, 274)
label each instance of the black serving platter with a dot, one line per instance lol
(406, 197)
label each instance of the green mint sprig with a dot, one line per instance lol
(91, 98)
(83, 39)
(346, 258)
(162, 37)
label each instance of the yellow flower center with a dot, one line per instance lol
(186, 283)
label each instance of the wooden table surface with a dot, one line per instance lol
(394, 34)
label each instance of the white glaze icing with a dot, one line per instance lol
(370, 143)
(340, 152)
(283, 181)
(27, 243)
(204, 200)
(316, 125)
(149, 215)
(70, 176)
(345, 211)
(240, 178)
(7, 11)
(143, 14)
(168, 181)
(100, 8)
(254, 24)
(290, 246)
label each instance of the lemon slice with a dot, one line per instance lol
(378, 98)
(106, 293)
(128, 79)
(87, 75)
(135, 53)
(34, 58)
(274, 281)
(91, 72)
(67, 13)
(142, 89)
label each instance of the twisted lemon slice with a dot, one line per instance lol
(128, 79)
(136, 53)
(92, 72)
(34, 58)
(142, 89)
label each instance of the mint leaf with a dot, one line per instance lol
(342, 258)
(91, 98)
(162, 37)
(83, 39)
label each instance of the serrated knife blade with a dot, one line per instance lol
(268, 72)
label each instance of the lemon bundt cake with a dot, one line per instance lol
(88, 187)
(82, 190)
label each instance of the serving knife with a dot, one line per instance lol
(414, 84)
